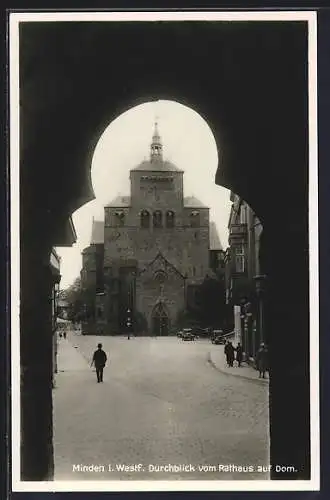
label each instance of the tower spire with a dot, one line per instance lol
(156, 148)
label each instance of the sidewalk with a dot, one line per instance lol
(69, 358)
(217, 359)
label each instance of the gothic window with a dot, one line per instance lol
(145, 219)
(157, 219)
(195, 218)
(170, 218)
(119, 218)
(240, 259)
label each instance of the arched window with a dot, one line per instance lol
(158, 219)
(145, 219)
(170, 218)
(160, 276)
(195, 218)
(120, 218)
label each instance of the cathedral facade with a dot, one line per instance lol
(151, 251)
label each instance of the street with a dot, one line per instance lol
(163, 412)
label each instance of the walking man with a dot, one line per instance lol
(262, 360)
(99, 360)
(231, 354)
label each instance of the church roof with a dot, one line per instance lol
(120, 201)
(156, 162)
(215, 243)
(97, 232)
(193, 202)
(158, 165)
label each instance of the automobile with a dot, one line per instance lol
(187, 334)
(218, 340)
(204, 332)
(218, 337)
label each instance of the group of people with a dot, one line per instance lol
(261, 357)
(230, 353)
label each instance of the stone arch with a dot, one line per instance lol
(145, 219)
(157, 219)
(195, 218)
(170, 219)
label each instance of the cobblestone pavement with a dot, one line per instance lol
(161, 403)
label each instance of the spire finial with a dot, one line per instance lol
(156, 149)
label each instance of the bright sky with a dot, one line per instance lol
(188, 142)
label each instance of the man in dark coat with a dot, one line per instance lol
(239, 354)
(262, 360)
(99, 360)
(231, 354)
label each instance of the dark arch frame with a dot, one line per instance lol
(170, 219)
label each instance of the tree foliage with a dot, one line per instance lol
(81, 301)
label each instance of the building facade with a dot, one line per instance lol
(243, 275)
(66, 238)
(152, 247)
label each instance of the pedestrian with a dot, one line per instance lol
(262, 360)
(239, 354)
(64, 334)
(231, 354)
(99, 360)
(226, 351)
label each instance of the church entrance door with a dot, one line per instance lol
(160, 321)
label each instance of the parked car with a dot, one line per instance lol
(219, 340)
(187, 334)
(218, 337)
(205, 332)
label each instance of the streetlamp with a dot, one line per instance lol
(130, 303)
(128, 323)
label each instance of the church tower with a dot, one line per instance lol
(156, 182)
(156, 148)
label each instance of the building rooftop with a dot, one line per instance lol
(193, 202)
(157, 165)
(120, 202)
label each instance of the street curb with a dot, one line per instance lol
(257, 380)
